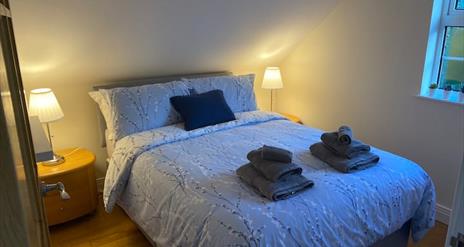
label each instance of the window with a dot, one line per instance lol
(444, 63)
(460, 4)
(451, 71)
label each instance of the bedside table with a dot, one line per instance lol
(292, 118)
(77, 174)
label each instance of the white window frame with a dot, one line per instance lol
(444, 15)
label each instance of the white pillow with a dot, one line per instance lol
(109, 144)
(129, 110)
(238, 90)
(103, 103)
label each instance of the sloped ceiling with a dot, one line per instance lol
(99, 39)
(69, 45)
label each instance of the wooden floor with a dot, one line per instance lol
(98, 229)
(116, 229)
(436, 237)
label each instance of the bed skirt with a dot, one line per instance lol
(399, 238)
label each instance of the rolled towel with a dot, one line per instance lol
(361, 161)
(345, 135)
(283, 189)
(347, 151)
(254, 155)
(272, 170)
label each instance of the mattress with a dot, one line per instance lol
(181, 188)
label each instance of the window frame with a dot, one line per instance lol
(444, 14)
(449, 18)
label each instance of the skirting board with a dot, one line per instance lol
(442, 213)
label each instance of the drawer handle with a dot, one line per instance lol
(45, 188)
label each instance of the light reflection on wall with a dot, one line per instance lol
(42, 55)
(276, 44)
(271, 53)
(27, 67)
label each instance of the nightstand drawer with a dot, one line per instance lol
(72, 181)
(59, 211)
(77, 174)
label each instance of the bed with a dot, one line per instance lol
(181, 189)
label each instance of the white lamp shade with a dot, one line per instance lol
(43, 104)
(272, 78)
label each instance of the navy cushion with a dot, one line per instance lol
(200, 110)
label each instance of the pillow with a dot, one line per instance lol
(238, 90)
(110, 145)
(192, 91)
(103, 104)
(200, 110)
(128, 110)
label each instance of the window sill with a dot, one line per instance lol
(440, 95)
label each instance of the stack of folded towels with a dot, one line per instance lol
(273, 174)
(342, 152)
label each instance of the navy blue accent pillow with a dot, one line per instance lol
(200, 110)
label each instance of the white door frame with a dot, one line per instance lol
(456, 225)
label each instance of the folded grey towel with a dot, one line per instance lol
(360, 161)
(348, 151)
(276, 154)
(345, 135)
(272, 170)
(283, 189)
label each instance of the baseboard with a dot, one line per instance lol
(100, 184)
(442, 214)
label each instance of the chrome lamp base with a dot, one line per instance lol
(57, 159)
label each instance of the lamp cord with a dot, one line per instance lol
(73, 151)
(49, 136)
(271, 98)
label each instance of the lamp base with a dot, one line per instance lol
(57, 159)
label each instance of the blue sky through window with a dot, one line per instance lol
(460, 4)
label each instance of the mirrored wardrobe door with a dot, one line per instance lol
(22, 219)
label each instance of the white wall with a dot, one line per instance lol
(71, 45)
(362, 66)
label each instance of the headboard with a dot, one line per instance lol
(139, 82)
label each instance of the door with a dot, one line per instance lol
(455, 235)
(22, 218)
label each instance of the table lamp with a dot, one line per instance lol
(44, 105)
(272, 80)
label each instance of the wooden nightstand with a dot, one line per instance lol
(292, 118)
(77, 174)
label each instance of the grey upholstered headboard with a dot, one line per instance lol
(139, 82)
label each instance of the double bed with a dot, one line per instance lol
(181, 189)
